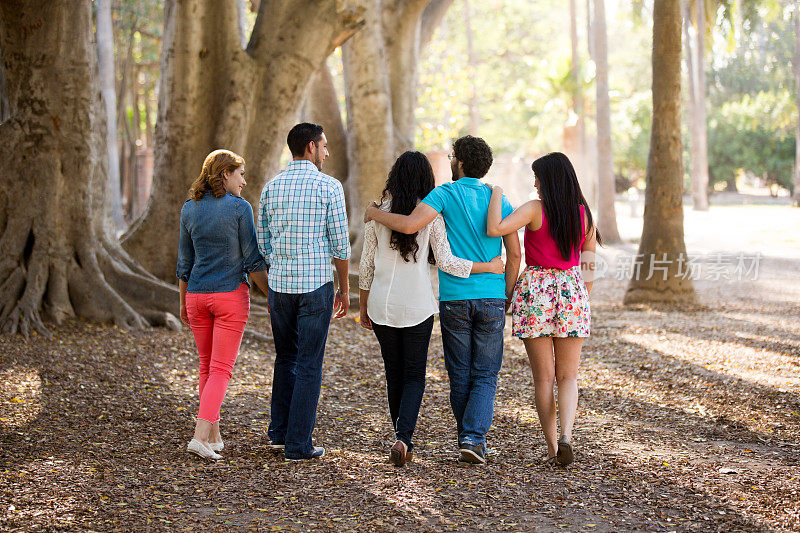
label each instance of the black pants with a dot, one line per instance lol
(405, 356)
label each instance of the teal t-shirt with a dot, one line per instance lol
(463, 205)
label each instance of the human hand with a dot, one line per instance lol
(184, 314)
(368, 211)
(341, 304)
(364, 320)
(496, 266)
(508, 304)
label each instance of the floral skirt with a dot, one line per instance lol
(549, 302)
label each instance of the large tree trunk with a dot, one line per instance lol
(322, 107)
(105, 60)
(370, 129)
(606, 214)
(697, 111)
(380, 70)
(57, 250)
(700, 185)
(213, 94)
(662, 249)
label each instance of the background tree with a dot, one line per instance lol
(215, 94)
(796, 70)
(695, 67)
(380, 84)
(59, 253)
(662, 244)
(105, 60)
(606, 212)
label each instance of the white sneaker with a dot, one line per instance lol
(198, 448)
(217, 446)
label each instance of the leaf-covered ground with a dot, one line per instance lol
(688, 420)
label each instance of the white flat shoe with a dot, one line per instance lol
(217, 446)
(198, 448)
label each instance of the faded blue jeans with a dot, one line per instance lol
(300, 328)
(472, 338)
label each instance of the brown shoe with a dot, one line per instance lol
(398, 454)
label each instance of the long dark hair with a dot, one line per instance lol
(561, 197)
(410, 180)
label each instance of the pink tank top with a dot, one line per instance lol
(541, 250)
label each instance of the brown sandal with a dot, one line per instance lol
(398, 454)
(565, 455)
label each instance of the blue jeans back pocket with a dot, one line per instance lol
(454, 315)
(493, 318)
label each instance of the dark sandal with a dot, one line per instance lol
(549, 461)
(565, 455)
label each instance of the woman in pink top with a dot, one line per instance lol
(550, 305)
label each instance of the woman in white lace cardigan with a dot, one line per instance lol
(397, 300)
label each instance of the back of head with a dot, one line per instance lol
(474, 154)
(410, 179)
(561, 197)
(212, 177)
(302, 134)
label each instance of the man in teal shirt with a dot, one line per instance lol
(471, 310)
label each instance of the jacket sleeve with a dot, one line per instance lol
(185, 253)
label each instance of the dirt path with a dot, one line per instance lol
(689, 420)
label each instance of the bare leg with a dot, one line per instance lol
(540, 354)
(214, 435)
(567, 357)
(202, 431)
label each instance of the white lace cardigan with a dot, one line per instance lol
(401, 294)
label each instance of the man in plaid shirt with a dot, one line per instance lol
(302, 223)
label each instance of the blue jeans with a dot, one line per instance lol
(300, 328)
(472, 338)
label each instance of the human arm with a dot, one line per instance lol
(421, 216)
(341, 303)
(182, 289)
(456, 266)
(588, 259)
(184, 269)
(260, 278)
(366, 272)
(339, 242)
(513, 260)
(497, 226)
(364, 319)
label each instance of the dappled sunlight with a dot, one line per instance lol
(20, 396)
(761, 365)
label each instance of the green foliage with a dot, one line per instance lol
(755, 134)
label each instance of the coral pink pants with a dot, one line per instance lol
(217, 320)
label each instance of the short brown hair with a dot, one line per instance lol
(211, 178)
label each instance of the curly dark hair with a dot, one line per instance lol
(474, 154)
(410, 179)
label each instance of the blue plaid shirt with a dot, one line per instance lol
(302, 223)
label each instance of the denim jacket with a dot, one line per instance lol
(217, 245)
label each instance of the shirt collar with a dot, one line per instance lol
(301, 164)
(470, 182)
